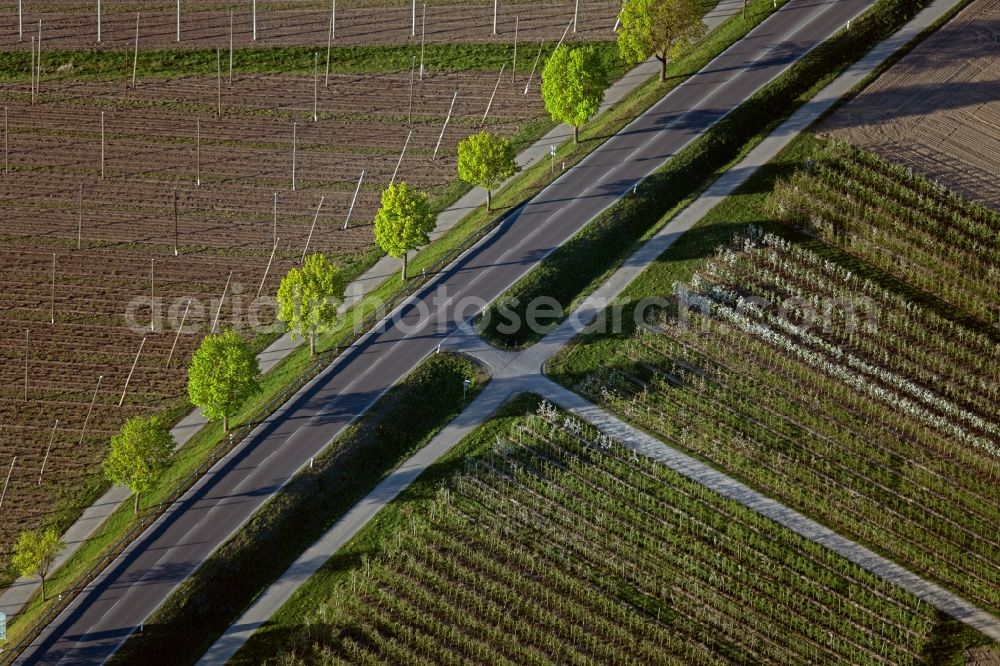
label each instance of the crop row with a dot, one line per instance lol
(558, 546)
(901, 224)
(837, 420)
(206, 23)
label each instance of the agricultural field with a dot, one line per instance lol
(72, 24)
(903, 224)
(860, 407)
(547, 543)
(79, 247)
(938, 109)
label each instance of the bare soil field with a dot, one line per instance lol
(73, 24)
(938, 110)
(125, 228)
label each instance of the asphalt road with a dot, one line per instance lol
(119, 600)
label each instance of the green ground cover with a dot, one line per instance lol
(538, 541)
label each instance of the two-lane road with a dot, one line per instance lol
(121, 598)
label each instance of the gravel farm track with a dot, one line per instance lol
(73, 24)
(126, 220)
(938, 110)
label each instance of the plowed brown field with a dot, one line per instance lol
(71, 24)
(126, 223)
(938, 109)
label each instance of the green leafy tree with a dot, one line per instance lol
(223, 373)
(486, 161)
(308, 298)
(34, 552)
(138, 455)
(404, 221)
(573, 83)
(664, 28)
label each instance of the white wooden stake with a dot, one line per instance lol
(175, 221)
(47, 450)
(98, 21)
(230, 47)
(264, 279)
(197, 152)
(295, 129)
(445, 126)
(152, 265)
(218, 70)
(274, 224)
(135, 56)
(496, 4)
(413, 29)
(38, 59)
(409, 109)
(495, 88)
(6, 134)
(311, 229)
(423, 35)
(576, 13)
(559, 43)
(221, 301)
(5, 483)
(91, 409)
(102, 145)
(178, 20)
(333, 20)
(541, 47)
(20, 24)
(32, 69)
(396, 170)
(129, 378)
(177, 337)
(254, 20)
(315, 86)
(52, 293)
(354, 199)
(27, 332)
(329, 47)
(79, 221)
(513, 67)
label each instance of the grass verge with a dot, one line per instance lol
(401, 422)
(579, 265)
(293, 60)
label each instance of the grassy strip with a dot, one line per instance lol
(582, 263)
(401, 422)
(297, 367)
(290, 60)
(338, 609)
